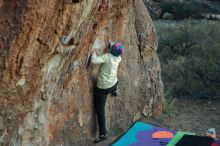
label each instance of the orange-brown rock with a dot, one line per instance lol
(46, 89)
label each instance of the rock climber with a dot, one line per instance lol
(106, 82)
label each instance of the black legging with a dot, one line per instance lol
(100, 100)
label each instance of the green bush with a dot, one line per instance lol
(189, 52)
(182, 10)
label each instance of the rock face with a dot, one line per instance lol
(46, 90)
(154, 9)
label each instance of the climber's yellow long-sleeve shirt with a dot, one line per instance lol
(107, 75)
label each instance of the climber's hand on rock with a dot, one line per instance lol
(96, 51)
(110, 41)
(65, 48)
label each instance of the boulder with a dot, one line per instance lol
(210, 16)
(168, 16)
(154, 9)
(46, 93)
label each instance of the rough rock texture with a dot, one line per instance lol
(46, 93)
(154, 9)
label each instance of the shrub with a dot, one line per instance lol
(182, 10)
(189, 52)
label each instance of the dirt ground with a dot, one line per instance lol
(190, 116)
(186, 116)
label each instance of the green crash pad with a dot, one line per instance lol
(177, 137)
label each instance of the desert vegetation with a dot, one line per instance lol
(190, 58)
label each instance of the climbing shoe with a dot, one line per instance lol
(101, 138)
(115, 93)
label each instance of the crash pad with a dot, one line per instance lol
(140, 134)
(130, 136)
(216, 143)
(177, 137)
(162, 134)
(194, 140)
